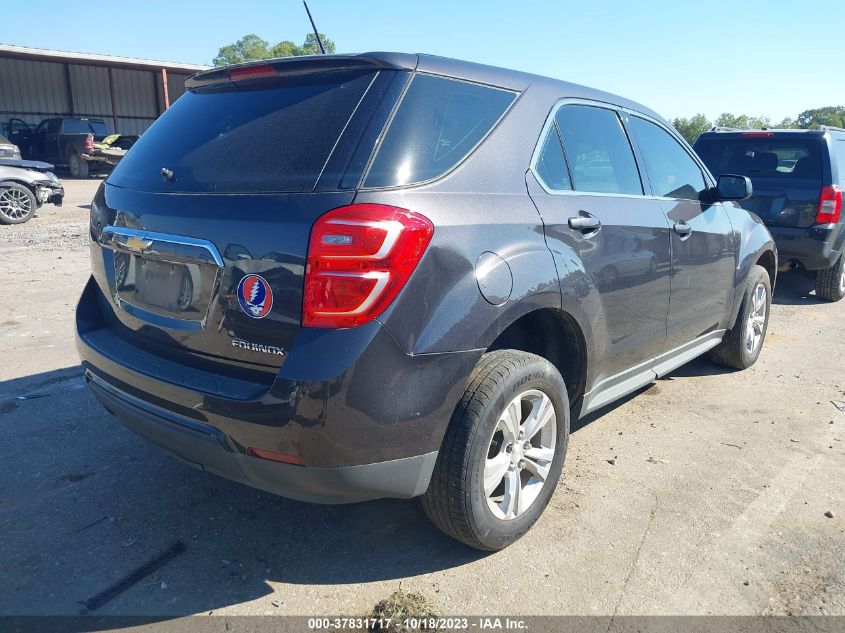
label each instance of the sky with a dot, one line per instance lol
(771, 58)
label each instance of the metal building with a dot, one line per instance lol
(128, 94)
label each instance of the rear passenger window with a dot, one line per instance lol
(438, 123)
(671, 170)
(551, 165)
(600, 156)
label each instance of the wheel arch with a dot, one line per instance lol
(18, 181)
(557, 336)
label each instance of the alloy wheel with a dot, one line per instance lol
(15, 204)
(520, 454)
(756, 324)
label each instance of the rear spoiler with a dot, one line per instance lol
(304, 65)
(37, 165)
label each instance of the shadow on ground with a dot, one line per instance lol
(796, 287)
(88, 506)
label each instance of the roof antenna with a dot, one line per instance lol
(314, 26)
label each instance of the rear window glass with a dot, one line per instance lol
(4, 140)
(84, 126)
(239, 138)
(840, 161)
(551, 164)
(437, 124)
(760, 157)
(599, 153)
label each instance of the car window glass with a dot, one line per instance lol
(840, 161)
(671, 170)
(264, 137)
(438, 123)
(762, 157)
(599, 154)
(84, 126)
(551, 164)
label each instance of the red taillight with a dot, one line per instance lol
(252, 72)
(359, 258)
(89, 143)
(758, 134)
(830, 205)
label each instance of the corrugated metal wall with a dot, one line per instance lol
(37, 90)
(31, 87)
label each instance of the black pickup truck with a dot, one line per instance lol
(72, 142)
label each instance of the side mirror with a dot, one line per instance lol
(732, 187)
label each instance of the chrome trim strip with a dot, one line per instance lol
(120, 231)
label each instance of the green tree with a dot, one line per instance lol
(787, 123)
(310, 46)
(743, 121)
(831, 115)
(285, 48)
(693, 127)
(248, 48)
(252, 48)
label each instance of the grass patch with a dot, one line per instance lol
(400, 605)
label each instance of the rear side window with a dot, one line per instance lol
(672, 172)
(438, 123)
(599, 154)
(551, 164)
(256, 137)
(84, 126)
(763, 157)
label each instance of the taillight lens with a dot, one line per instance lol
(89, 143)
(830, 205)
(359, 258)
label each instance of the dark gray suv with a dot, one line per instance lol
(386, 275)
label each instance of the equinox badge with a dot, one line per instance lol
(256, 347)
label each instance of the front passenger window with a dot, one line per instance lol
(672, 171)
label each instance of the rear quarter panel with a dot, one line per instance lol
(481, 206)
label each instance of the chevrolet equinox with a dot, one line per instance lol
(342, 278)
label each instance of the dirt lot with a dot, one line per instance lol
(715, 502)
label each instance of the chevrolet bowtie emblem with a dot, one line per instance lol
(137, 244)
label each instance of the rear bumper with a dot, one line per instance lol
(814, 248)
(364, 418)
(208, 449)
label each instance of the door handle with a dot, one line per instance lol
(682, 228)
(584, 223)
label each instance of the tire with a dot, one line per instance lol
(186, 291)
(476, 444)
(121, 269)
(738, 348)
(78, 167)
(17, 203)
(830, 282)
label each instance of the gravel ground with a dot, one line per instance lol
(715, 502)
(56, 228)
